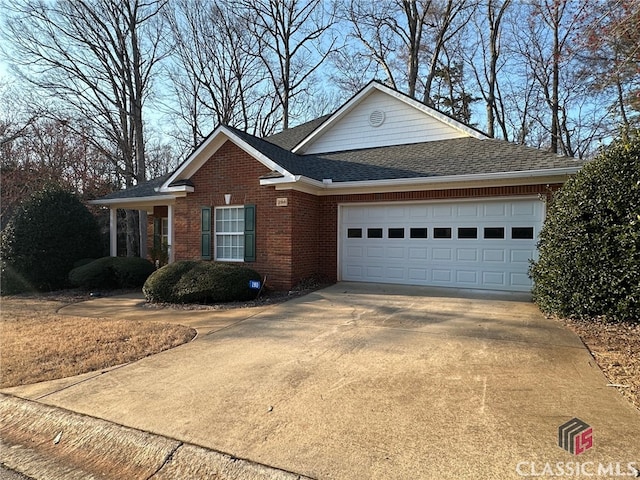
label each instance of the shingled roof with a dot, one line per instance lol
(144, 189)
(468, 155)
(461, 156)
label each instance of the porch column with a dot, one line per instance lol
(113, 231)
(170, 220)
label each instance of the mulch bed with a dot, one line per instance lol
(616, 349)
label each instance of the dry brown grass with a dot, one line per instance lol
(37, 344)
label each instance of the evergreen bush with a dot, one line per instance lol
(589, 262)
(46, 235)
(200, 282)
(112, 273)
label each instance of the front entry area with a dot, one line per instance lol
(484, 244)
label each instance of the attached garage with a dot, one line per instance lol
(385, 189)
(484, 244)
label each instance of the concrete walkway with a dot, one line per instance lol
(366, 381)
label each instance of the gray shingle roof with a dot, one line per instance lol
(144, 189)
(462, 156)
(291, 137)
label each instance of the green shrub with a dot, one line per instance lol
(46, 235)
(111, 273)
(200, 282)
(589, 263)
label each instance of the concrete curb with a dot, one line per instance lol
(46, 442)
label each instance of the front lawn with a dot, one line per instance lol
(38, 344)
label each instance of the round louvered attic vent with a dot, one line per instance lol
(376, 118)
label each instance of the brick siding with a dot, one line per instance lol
(296, 241)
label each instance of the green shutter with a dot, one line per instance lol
(249, 233)
(157, 233)
(205, 233)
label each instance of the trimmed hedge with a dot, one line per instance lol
(589, 263)
(111, 273)
(46, 235)
(200, 282)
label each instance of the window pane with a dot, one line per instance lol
(442, 232)
(396, 233)
(354, 233)
(467, 232)
(522, 233)
(374, 233)
(493, 232)
(230, 233)
(418, 233)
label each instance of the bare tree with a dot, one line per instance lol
(215, 81)
(484, 59)
(291, 41)
(545, 44)
(97, 58)
(611, 56)
(405, 39)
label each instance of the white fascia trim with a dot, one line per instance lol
(208, 148)
(179, 188)
(476, 177)
(156, 200)
(407, 184)
(400, 96)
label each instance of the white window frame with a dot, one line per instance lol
(164, 231)
(219, 235)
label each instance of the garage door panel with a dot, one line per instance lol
(494, 210)
(441, 275)
(521, 256)
(468, 277)
(418, 243)
(496, 279)
(522, 209)
(442, 254)
(418, 274)
(374, 272)
(520, 279)
(395, 273)
(395, 252)
(467, 210)
(467, 254)
(418, 253)
(355, 272)
(493, 255)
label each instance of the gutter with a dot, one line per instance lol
(329, 187)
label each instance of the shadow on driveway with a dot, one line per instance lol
(366, 381)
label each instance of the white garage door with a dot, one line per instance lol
(481, 244)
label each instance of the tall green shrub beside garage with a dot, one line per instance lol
(589, 249)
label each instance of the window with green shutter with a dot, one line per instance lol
(205, 233)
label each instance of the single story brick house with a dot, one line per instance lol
(385, 189)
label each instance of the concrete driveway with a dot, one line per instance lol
(361, 381)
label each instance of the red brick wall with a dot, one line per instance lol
(306, 228)
(232, 171)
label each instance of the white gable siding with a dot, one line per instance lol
(403, 124)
